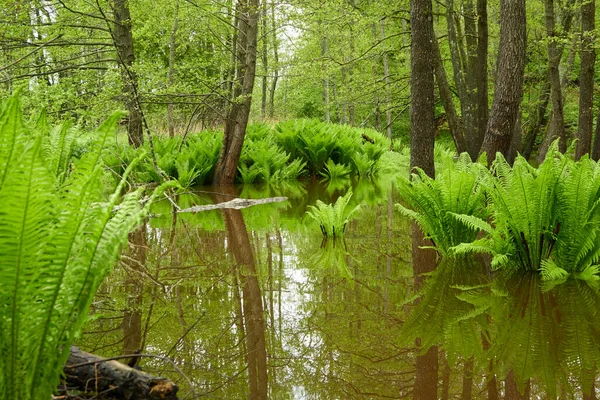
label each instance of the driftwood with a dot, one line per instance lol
(109, 379)
(235, 204)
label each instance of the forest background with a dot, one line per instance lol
(178, 66)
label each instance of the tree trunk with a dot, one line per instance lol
(556, 128)
(539, 118)
(469, 102)
(586, 79)
(386, 82)
(265, 61)
(509, 83)
(172, 45)
(123, 40)
(276, 66)
(239, 111)
(454, 50)
(446, 97)
(516, 143)
(422, 117)
(326, 102)
(596, 146)
(481, 71)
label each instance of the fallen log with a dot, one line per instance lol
(235, 204)
(109, 379)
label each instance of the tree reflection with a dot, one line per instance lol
(238, 243)
(426, 365)
(132, 317)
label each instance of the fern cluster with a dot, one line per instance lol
(276, 154)
(59, 236)
(332, 218)
(433, 203)
(544, 219)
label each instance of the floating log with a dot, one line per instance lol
(235, 204)
(110, 379)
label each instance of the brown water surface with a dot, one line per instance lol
(255, 304)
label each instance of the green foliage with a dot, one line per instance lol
(332, 218)
(335, 171)
(316, 143)
(542, 219)
(332, 256)
(433, 202)
(269, 155)
(57, 244)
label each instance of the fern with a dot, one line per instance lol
(57, 243)
(435, 203)
(335, 171)
(332, 218)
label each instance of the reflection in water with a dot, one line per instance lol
(252, 304)
(426, 365)
(253, 319)
(135, 264)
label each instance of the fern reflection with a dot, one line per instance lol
(540, 340)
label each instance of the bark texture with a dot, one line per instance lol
(239, 110)
(123, 40)
(422, 117)
(509, 82)
(113, 380)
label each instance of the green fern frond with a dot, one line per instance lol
(476, 224)
(332, 218)
(57, 243)
(552, 272)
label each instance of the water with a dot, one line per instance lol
(254, 304)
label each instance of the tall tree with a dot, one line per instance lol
(275, 47)
(556, 128)
(468, 52)
(422, 116)
(172, 46)
(239, 109)
(123, 40)
(586, 79)
(509, 78)
(386, 81)
(456, 128)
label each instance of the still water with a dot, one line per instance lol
(253, 303)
